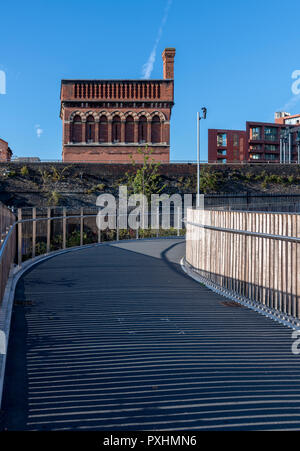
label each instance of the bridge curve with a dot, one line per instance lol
(117, 337)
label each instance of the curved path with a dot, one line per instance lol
(116, 337)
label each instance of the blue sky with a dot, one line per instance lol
(235, 57)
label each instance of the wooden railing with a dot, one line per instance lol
(254, 255)
(7, 246)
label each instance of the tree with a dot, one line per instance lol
(146, 179)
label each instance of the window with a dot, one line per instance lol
(129, 130)
(143, 129)
(255, 133)
(271, 134)
(103, 130)
(222, 139)
(236, 140)
(255, 148)
(155, 130)
(255, 156)
(76, 130)
(116, 129)
(222, 152)
(271, 148)
(271, 156)
(90, 129)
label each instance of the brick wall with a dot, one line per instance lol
(5, 151)
(88, 104)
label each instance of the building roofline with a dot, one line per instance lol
(274, 124)
(226, 130)
(66, 80)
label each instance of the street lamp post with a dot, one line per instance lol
(199, 117)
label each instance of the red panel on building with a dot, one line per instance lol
(227, 146)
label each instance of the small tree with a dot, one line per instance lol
(24, 171)
(146, 179)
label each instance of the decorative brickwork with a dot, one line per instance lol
(108, 120)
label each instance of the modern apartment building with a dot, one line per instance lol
(227, 146)
(277, 142)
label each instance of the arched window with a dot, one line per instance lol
(129, 130)
(103, 130)
(90, 129)
(156, 130)
(143, 129)
(76, 130)
(116, 129)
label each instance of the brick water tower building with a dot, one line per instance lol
(108, 120)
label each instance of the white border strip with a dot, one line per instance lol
(272, 314)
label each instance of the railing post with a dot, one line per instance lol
(99, 232)
(81, 226)
(178, 221)
(118, 225)
(19, 237)
(48, 229)
(33, 231)
(64, 227)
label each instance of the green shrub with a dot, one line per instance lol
(54, 198)
(96, 188)
(24, 171)
(40, 248)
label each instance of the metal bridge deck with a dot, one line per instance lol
(116, 337)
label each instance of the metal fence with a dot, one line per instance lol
(254, 255)
(40, 231)
(289, 203)
(33, 160)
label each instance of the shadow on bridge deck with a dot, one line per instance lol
(116, 337)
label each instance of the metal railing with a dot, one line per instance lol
(37, 236)
(171, 162)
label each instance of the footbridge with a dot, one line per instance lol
(118, 336)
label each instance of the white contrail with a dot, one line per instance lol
(148, 67)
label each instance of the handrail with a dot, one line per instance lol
(53, 218)
(269, 236)
(245, 255)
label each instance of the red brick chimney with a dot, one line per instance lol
(168, 59)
